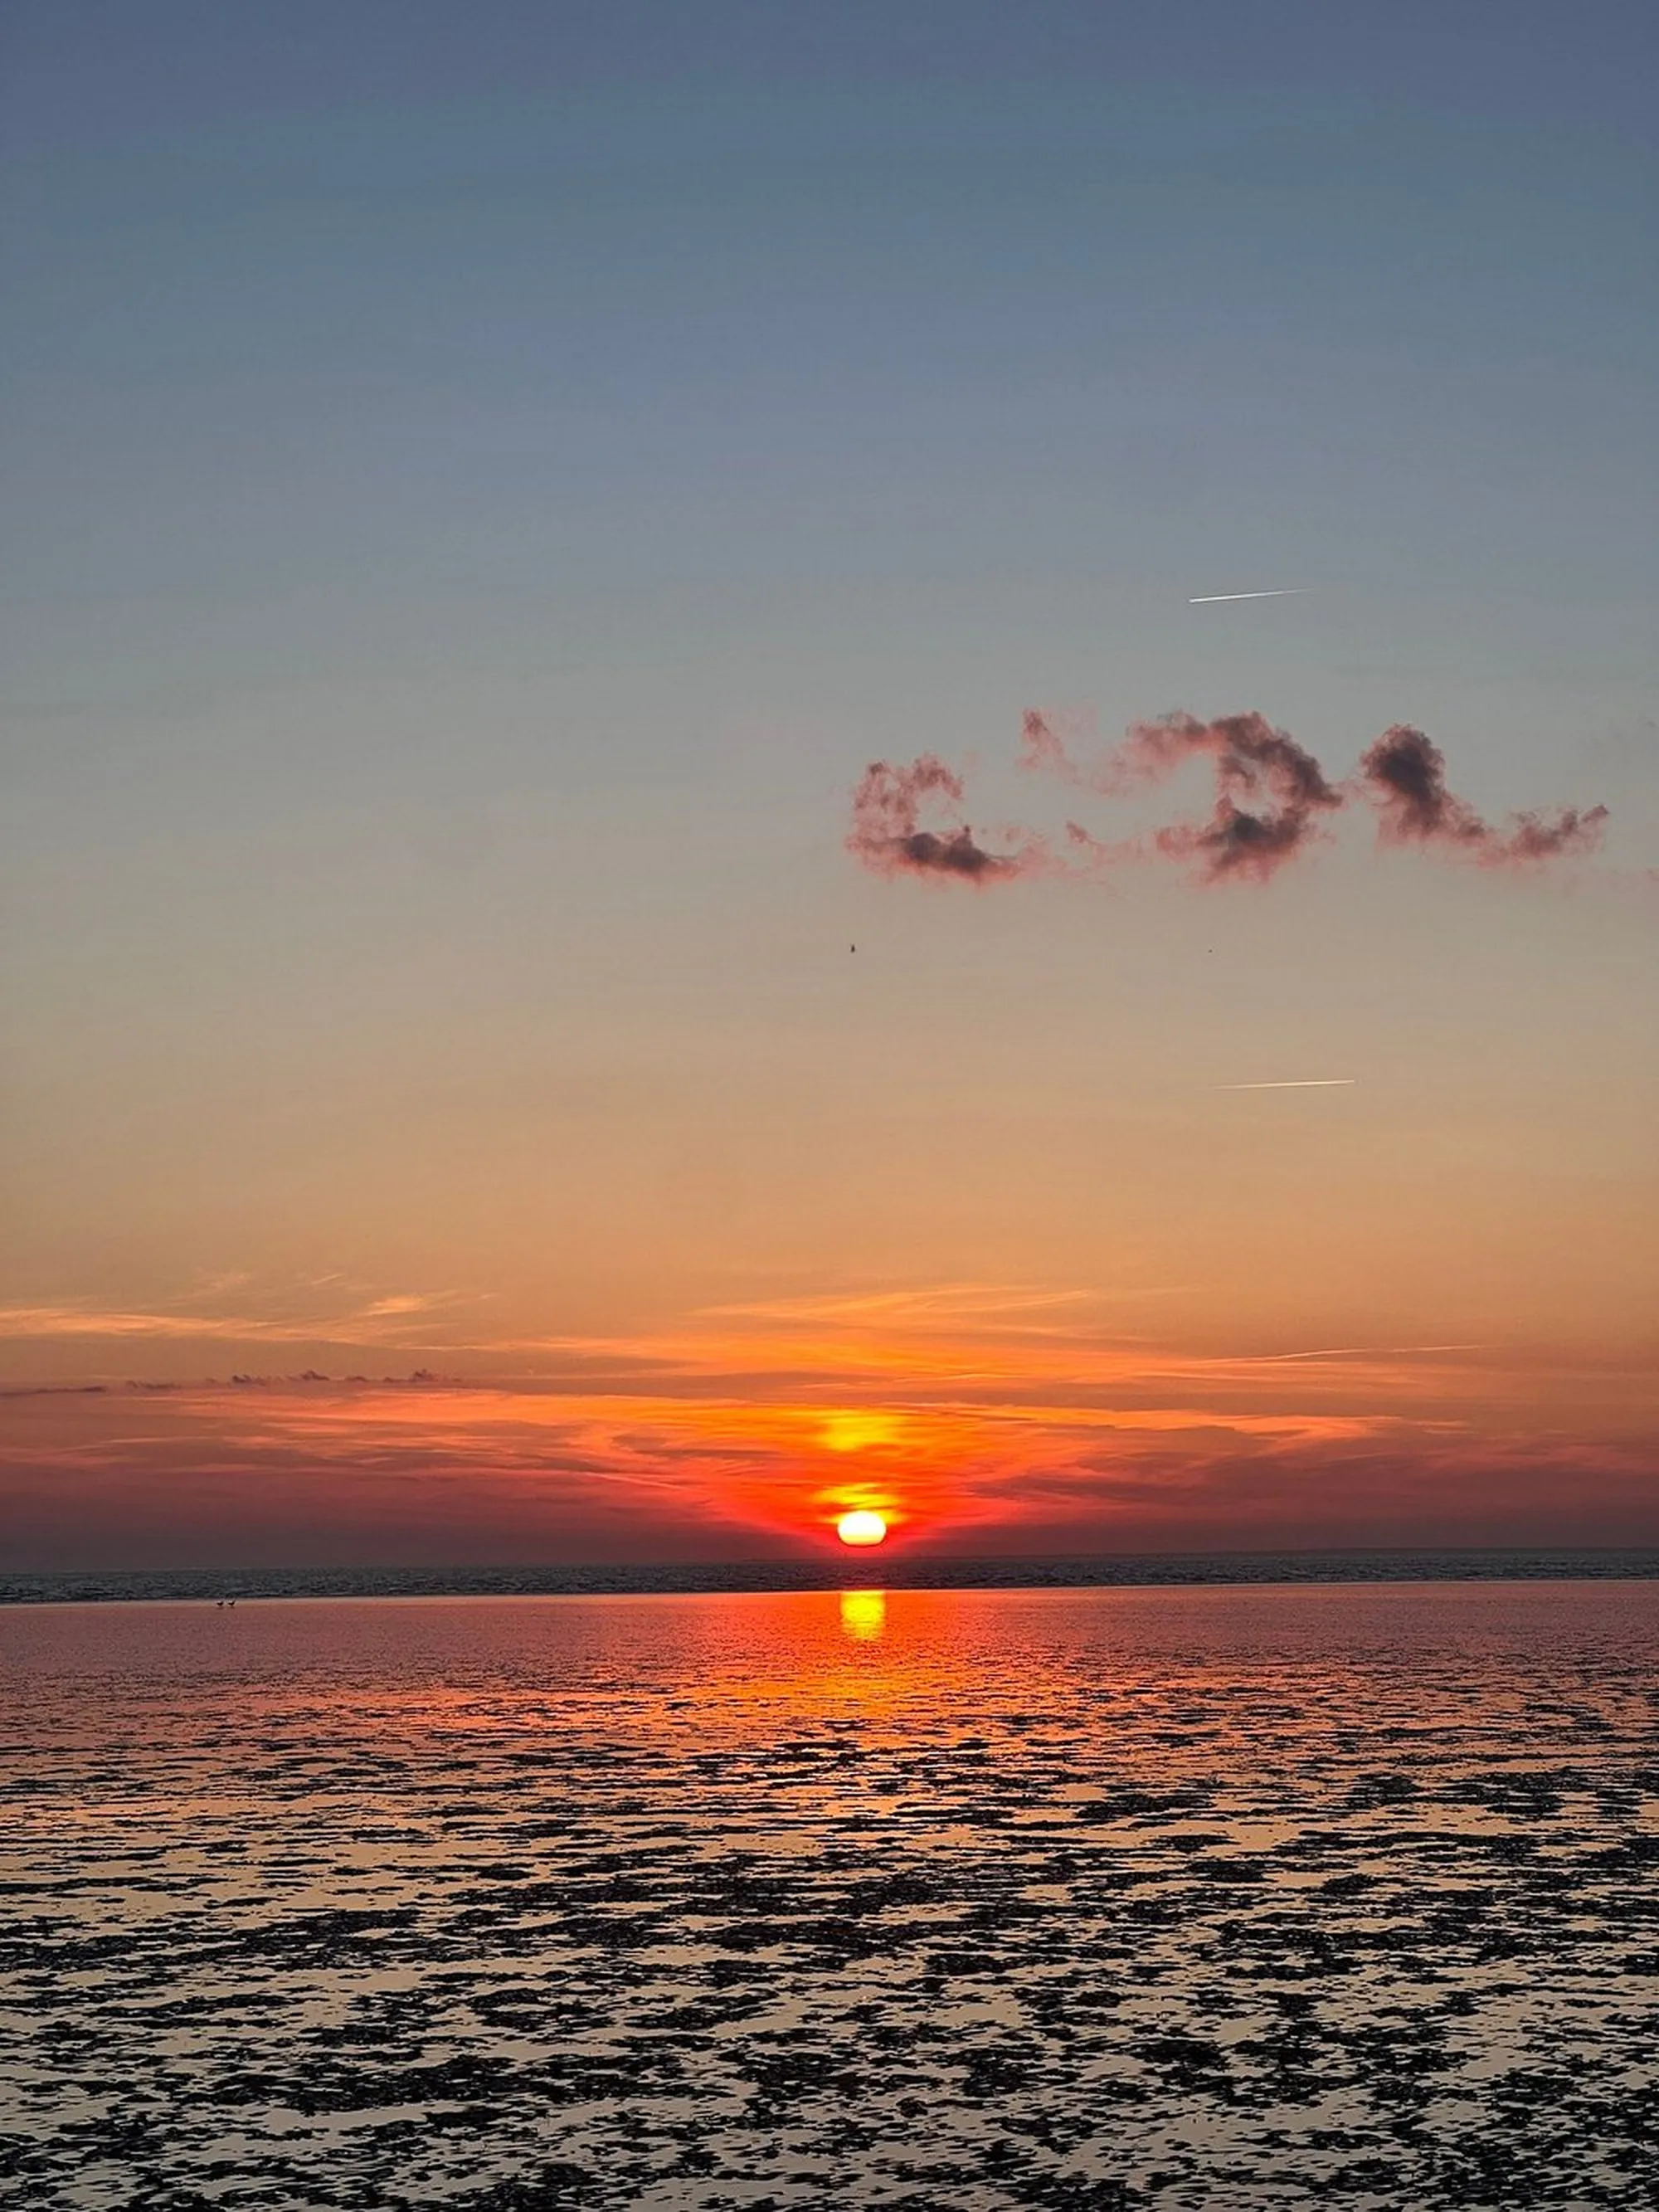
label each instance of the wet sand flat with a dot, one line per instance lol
(1263, 1896)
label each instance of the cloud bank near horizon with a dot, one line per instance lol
(978, 1416)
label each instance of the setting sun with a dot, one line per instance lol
(861, 1528)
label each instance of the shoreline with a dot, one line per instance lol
(1360, 1566)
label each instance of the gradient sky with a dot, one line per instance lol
(482, 484)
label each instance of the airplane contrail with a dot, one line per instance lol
(1295, 1083)
(1215, 598)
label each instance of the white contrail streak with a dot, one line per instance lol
(1215, 599)
(1295, 1083)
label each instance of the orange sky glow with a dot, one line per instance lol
(970, 1418)
(825, 789)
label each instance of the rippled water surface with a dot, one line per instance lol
(1264, 1897)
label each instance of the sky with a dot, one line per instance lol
(483, 486)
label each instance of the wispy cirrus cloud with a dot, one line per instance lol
(926, 1306)
(89, 1321)
(283, 1318)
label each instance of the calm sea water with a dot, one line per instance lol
(1207, 1897)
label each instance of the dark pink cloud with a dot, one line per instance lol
(1404, 776)
(1271, 798)
(887, 833)
(1270, 792)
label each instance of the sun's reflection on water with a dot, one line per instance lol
(864, 1615)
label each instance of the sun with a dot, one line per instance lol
(861, 1528)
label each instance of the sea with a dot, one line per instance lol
(1247, 1892)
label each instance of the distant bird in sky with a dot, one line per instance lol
(1215, 598)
